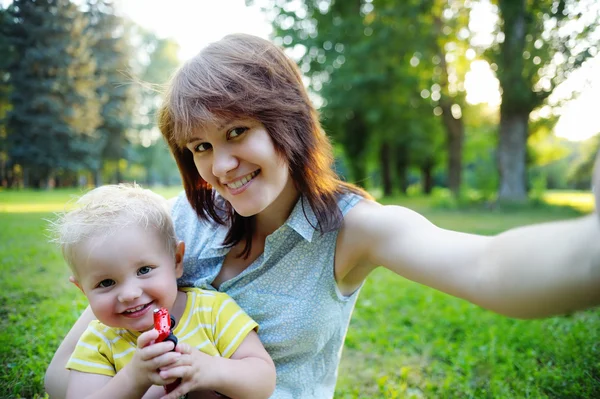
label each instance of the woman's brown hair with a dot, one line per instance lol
(246, 76)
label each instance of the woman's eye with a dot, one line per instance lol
(106, 283)
(236, 132)
(144, 270)
(202, 147)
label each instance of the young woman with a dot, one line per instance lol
(266, 220)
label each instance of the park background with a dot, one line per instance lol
(481, 115)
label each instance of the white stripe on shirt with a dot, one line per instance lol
(235, 339)
(92, 364)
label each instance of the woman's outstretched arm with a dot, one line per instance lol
(57, 376)
(531, 271)
(526, 272)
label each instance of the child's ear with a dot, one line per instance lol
(179, 252)
(74, 281)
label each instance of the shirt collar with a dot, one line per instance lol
(302, 219)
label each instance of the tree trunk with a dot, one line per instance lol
(455, 130)
(455, 133)
(401, 159)
(356, 143)
(97, 174)
(386, 169)
(427, 177)
(359, 173)
(512, 153)
(118, 174)
(516, 104)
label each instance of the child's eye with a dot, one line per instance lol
(144, 270)
(106, 283)
(202, 147)
(236, 132)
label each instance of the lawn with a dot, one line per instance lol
(405, 340)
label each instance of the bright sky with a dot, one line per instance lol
(196, 23)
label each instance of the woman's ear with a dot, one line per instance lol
(179, 252)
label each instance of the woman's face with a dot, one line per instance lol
(237, 157)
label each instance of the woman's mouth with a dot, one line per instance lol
(238, 185)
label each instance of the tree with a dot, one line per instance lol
(450, 36)
(50, 127)
(158, 64)
(6, 57)
(538, 44)
(112, 51)
(359, 58)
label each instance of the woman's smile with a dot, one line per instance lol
(239, 185)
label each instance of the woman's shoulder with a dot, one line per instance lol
(182, 212)
(371, 219)
(361, 214)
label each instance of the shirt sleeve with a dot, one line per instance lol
(93, 353)
(231, 324)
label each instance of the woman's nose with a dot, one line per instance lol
(223, 162)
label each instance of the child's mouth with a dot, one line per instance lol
(137, 311)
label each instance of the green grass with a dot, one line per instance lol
(405, 340)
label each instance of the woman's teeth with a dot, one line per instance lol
(239, 183)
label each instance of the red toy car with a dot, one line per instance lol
(165, 324)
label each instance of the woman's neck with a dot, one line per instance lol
(278, 212)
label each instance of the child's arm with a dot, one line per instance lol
(134, 380)
(80, 385)
(249, 373)
(87, 385)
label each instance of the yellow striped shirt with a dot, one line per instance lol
(212, 322)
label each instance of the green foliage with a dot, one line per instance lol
(362, 60)
(558, 38)
(150, 150)
(538, 45)
(583, 165)
(54, 109)
(112, 51)
(70, 101)
(6, 56)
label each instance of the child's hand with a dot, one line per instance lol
(194, 369)
(149, 357)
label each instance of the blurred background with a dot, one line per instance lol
(485, 99)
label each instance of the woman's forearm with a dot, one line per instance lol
(543, 270)
(248, 378)
(57, 376)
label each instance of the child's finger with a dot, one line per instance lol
(155, 350)
(175, 371)
(165, 360)
(183, 348)
(181, 390)
(146, 338)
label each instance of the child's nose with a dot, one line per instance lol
(129, 293)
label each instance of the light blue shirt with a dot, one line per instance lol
(289, 290)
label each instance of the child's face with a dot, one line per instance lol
(127, 275)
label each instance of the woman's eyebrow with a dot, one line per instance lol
(225, 123)
(220, 126)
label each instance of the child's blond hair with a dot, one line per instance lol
(106, 209)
